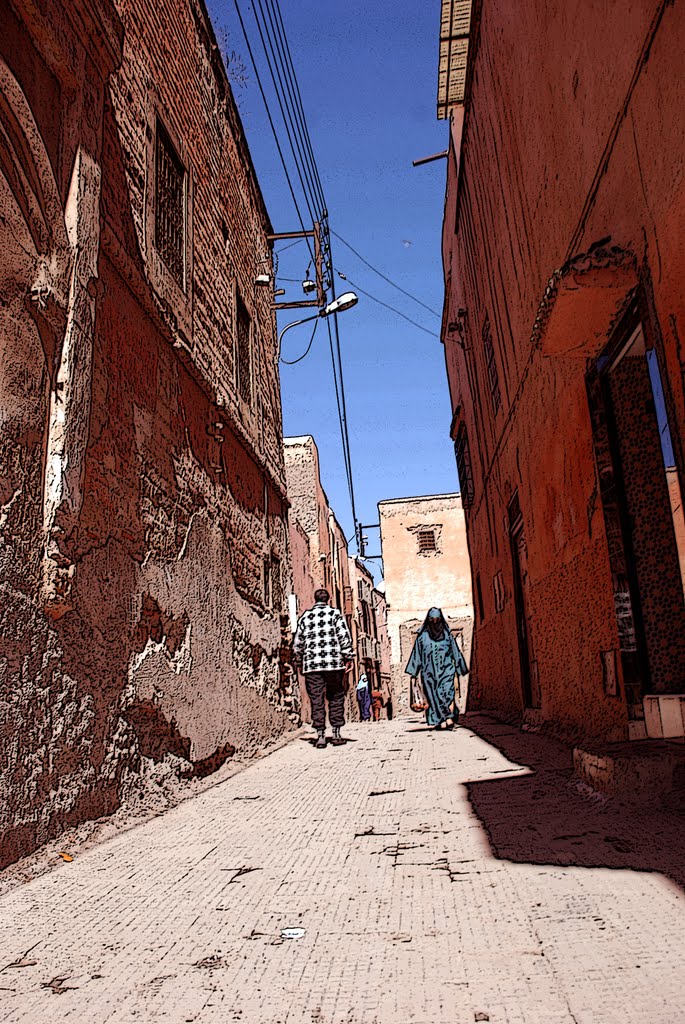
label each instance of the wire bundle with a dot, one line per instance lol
(272, 35)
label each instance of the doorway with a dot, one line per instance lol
(641, 498)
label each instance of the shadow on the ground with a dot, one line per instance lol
(545, 817)
(312, 740)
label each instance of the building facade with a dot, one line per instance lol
(143, 543)
(370, 633)
(563, 318)
(425, 564)
(329, 561)
(321, 558)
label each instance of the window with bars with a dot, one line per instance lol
(244, 352)
(491, 365)
(170, 206)
(463, 457)
(427, 540)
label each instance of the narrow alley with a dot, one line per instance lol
(426, 878)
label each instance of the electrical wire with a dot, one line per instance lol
(385, 304)
(289, 246)
(291, 362)
(297, 123)
(385, 278)
(291, 129)
(300, 106)
(271, 122)
(348, 472)
(279, 60)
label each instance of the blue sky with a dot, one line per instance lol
(368, 77)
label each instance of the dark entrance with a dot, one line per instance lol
(519, 556)
(640, 491)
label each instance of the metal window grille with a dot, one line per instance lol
(491, 365)
(244, 361)
(463, 456)
(170, 201)
(427, 540)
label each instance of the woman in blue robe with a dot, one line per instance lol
(437, 657)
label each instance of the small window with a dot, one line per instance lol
(427, 540)
(491, 365)
(463, 457)
(170, 206)
(244, 353)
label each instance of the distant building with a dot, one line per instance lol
(143, 545)
(326, 546)
(563, 329)
(426, 564)
(328, 556)
(370, 631)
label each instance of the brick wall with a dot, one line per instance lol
(144, 558)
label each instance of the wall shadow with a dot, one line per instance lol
(546, 817)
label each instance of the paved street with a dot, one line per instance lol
(436, 878)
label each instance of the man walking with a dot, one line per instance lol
(323, 648)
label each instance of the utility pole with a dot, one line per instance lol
(315, 234)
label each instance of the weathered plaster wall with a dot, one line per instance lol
(144, 554)
(598, 154)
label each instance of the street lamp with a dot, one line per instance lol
(339, 305)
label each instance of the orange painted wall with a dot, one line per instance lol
(561, 147)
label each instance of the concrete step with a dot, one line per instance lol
(639, 771)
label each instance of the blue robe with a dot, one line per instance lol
(438, 661)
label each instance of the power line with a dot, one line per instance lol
(284, 80)
(300, 106)
(346, 459)
(289, 246)
(297, 118)
(273, 64)
(271, 122)
(385, 278)
(385, 304)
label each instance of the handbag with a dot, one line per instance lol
(417, 696)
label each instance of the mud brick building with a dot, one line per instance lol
(564, 259)
(426, 564)
(143, 544)
(330, 564)
(370, 630)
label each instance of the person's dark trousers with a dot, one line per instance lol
(322, 687)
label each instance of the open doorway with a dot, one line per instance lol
(643, 513)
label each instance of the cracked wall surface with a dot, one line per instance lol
(144, 551)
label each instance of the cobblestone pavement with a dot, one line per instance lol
(437, 878)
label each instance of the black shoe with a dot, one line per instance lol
(337, 741)
(320, 742)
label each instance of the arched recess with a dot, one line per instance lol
(35, 267)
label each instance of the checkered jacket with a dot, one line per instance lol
(322, 639)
